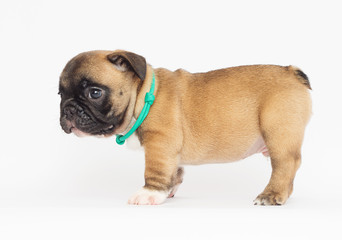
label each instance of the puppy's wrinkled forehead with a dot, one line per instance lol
(92, 66)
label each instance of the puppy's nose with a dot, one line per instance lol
(69, 112)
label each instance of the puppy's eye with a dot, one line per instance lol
(95, 93)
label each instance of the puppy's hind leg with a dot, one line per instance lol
(282, 125)
(280, 186)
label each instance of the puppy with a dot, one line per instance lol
(215, 117)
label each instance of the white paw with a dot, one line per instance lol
(258, 202)
(270, 198)
(148, 197)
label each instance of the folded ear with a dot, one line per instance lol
(127, 61)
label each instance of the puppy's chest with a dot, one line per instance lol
(133, 143)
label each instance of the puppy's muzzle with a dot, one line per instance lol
(74, 116)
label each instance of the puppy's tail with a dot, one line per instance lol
(301, 76)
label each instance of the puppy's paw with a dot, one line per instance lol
(270, 198)
(148, 197)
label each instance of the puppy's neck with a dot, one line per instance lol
(138, 101)
(145, 87)
(130, 125)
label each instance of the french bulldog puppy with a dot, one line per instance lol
(215, 117)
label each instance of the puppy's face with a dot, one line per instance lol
(96, 90)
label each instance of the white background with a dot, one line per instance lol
(57, 186)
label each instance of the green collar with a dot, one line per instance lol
(149, 99)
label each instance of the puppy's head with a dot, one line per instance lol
(98, 91)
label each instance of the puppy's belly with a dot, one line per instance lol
(224, 155)
(259, 146)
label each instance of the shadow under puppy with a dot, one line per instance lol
(215, 117)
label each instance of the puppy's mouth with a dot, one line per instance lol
(82, 131)
(93, 132)
(105, 131)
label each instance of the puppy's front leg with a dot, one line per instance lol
(161, 164)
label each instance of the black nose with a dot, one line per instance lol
(69, 112)
(75, 111)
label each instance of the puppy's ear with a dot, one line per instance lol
(127, 61)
